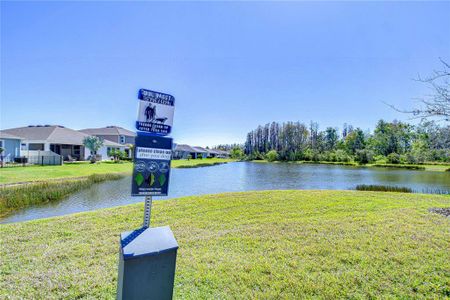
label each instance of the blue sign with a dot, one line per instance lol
(155, 113)
(152, 155)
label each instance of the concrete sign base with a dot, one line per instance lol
(147, 264)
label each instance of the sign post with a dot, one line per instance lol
(147, 256)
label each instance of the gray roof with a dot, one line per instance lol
(4, 135)
(108, 130)
(200, 149)
(184, 148)
(222, 151)
(54, 134)
(213, 151)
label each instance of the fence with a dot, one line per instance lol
(42, 158)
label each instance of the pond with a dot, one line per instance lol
(240, 176)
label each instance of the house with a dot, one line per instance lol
(222, 153)
(11, 146)
(213, 153)
(114, 134)
(182, 151)
(57, 140)
(200, 152)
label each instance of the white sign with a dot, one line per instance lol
(155, 113)
(153, 153)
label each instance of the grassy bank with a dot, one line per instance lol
(423, 167)
(39, 173)
(19, 196)
(260, 245)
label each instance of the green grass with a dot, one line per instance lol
(18, 196)
(401, 166)
(72, 170)
(254, 245)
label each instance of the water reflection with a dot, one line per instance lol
(239, 177)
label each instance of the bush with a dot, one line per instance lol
(308, 155)
(237, 153)
(381, 159)
(364, 156)
(342, 156)
(272, 155)
(410, 158)
(393, 158)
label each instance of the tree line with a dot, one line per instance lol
(391, 142)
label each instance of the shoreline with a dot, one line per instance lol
(179, 164)
(416, 167)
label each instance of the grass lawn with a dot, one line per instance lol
(261, 245)
(36, 173)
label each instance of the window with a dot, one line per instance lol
(1, 143)
(122, 139)
(36, 147)
(23, 146)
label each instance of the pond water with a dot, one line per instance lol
(240, 176)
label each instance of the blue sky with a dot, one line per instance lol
(230, 66)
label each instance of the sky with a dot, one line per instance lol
(230, 65)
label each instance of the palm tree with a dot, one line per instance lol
(93, 143)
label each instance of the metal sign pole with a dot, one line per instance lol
(147, 211)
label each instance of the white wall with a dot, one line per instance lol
(103, 151)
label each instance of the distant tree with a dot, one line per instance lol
(237, 153)
(331, 138)
(391, 137)
(355, 141)
(93, 143)
(364, 156)
(437, 104)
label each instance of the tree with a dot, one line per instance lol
(116, 154)
(93, 143)
(364, 156)
(237, 153)
(355, 140)
(437, 104)
(331, 138)
(391, 137)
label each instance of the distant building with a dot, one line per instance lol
(11, 146)
(114, 134)
(213, 153)
(200, 152)
(57, 140)
(183, 151)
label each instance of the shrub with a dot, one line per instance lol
(381, 159)
(342, 156)
(364, 156)
(237, 153)
(272, 155)
(393, 158)
(308, 155)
